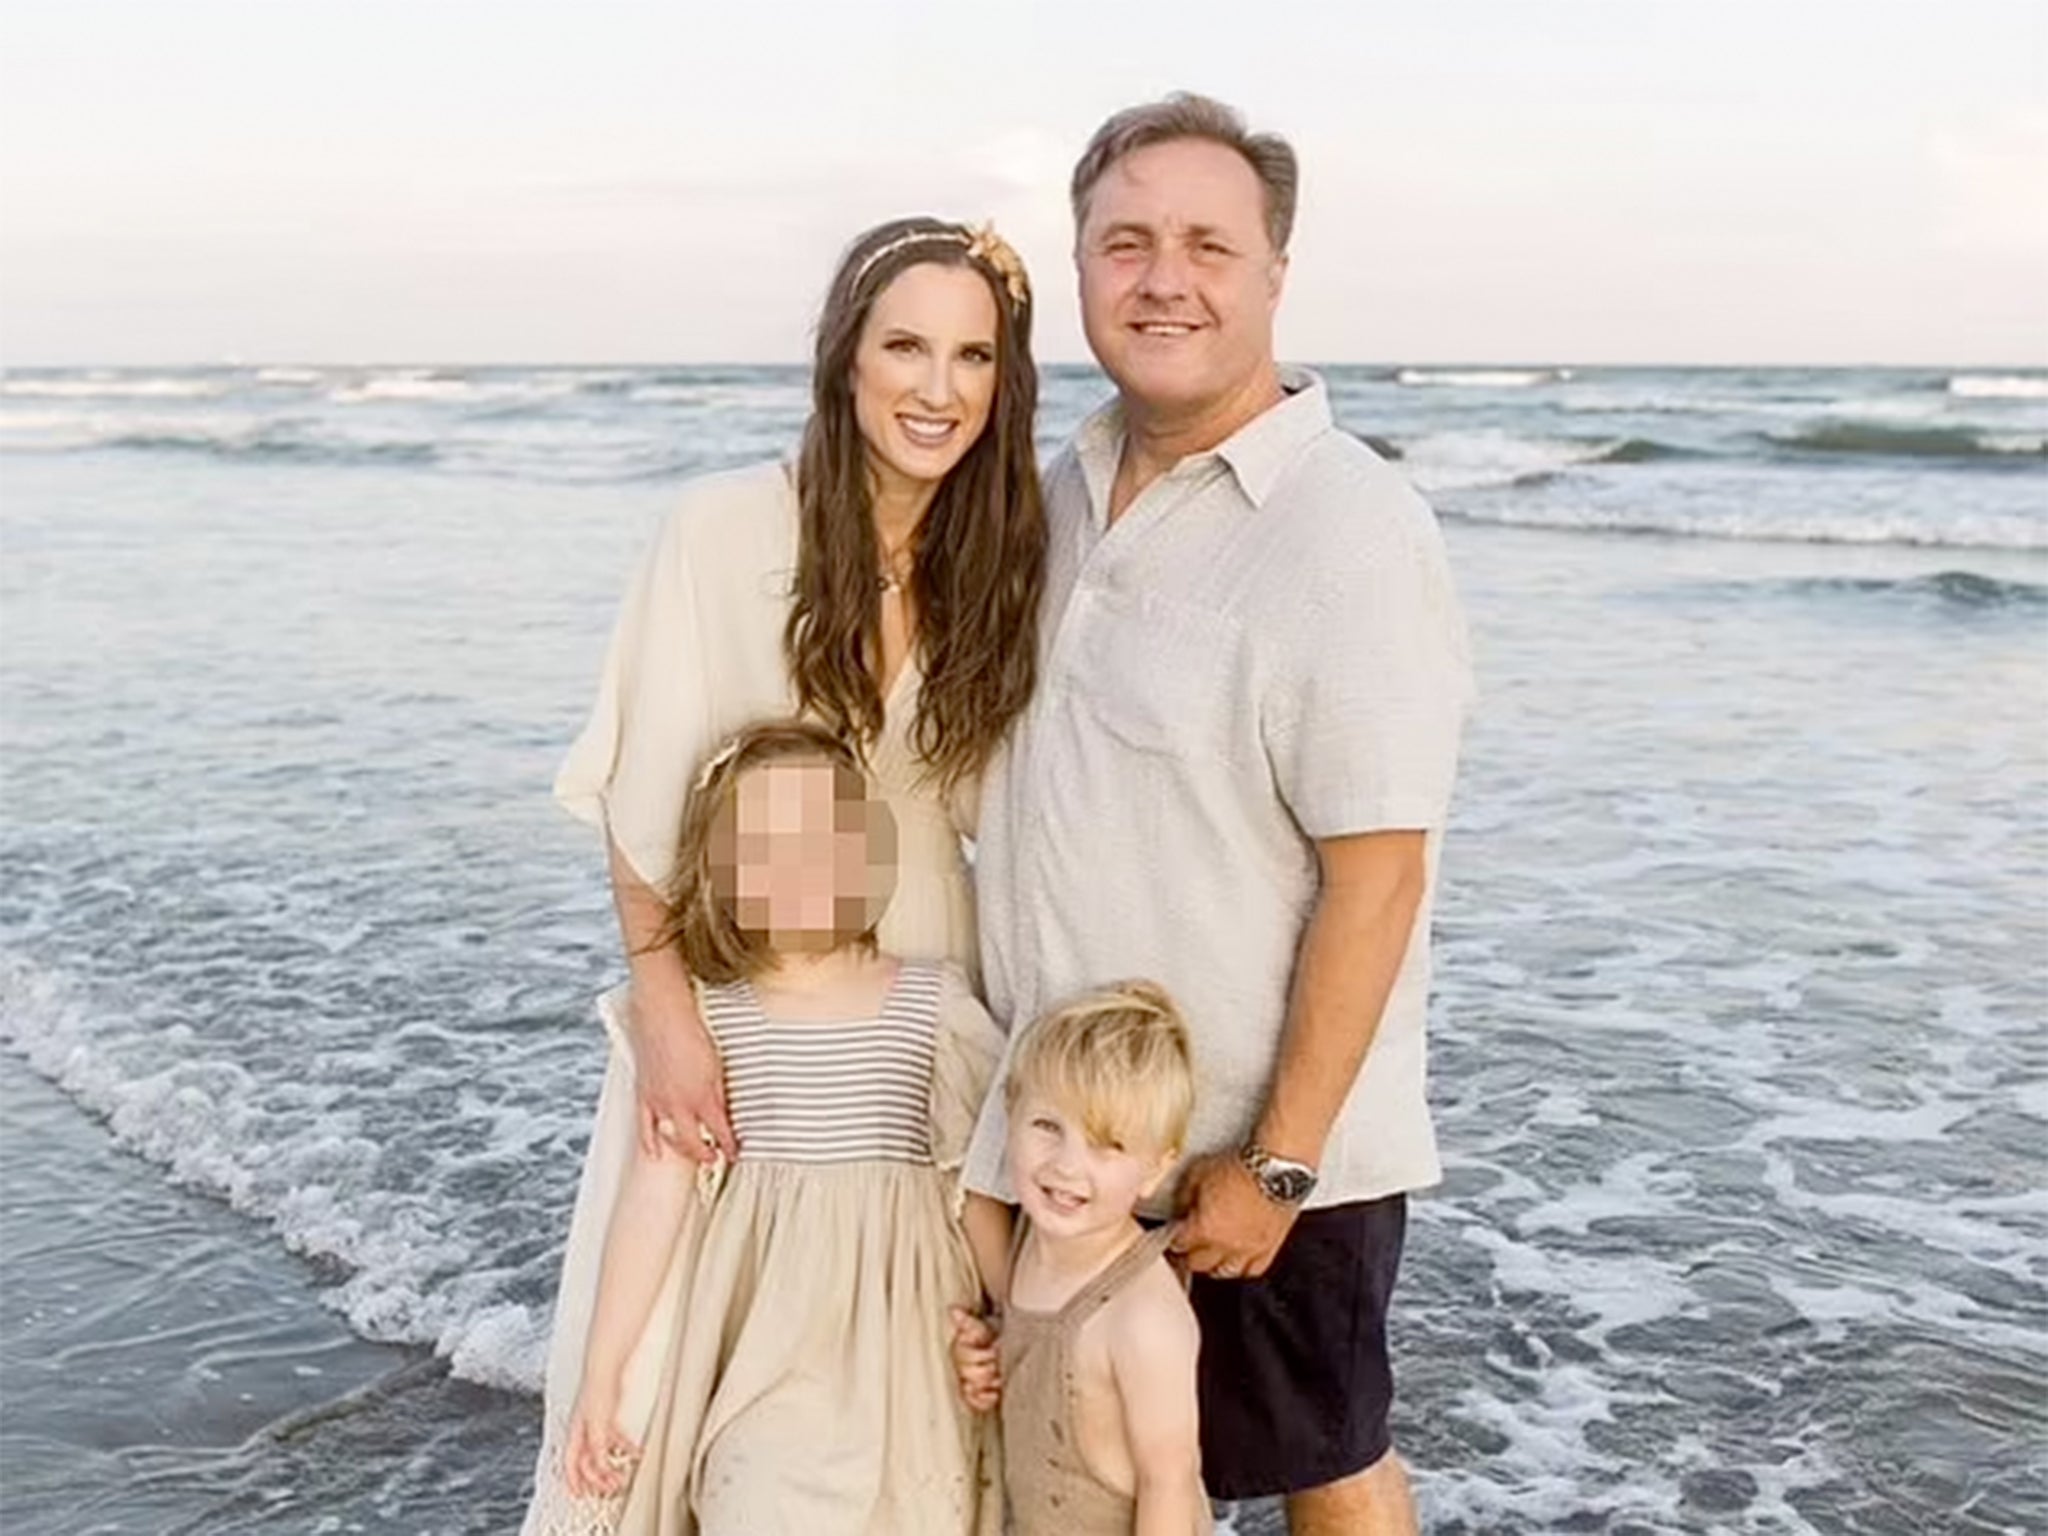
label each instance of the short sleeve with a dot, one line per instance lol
(628, 772)
(1364, 697)
(966, 1050)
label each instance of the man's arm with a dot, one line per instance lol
(1357, 937)
(1351, 953)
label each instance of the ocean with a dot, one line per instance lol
(1740, 1039)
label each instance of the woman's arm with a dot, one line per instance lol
(681, 1082)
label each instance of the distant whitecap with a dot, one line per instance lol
(2000, 386)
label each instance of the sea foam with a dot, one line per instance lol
(1999, 386)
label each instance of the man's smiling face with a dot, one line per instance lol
(1179, 278)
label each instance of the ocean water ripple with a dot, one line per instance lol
(1715, 453)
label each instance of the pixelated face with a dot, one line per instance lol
(1068, 1185)
(808, 859)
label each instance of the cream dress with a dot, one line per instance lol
(696, 654)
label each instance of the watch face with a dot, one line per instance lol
(1287, 1184)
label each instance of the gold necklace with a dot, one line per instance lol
(890, 579)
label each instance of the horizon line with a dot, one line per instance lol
(1389, 364)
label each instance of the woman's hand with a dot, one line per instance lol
(680, 1079)
(681, 1083)
(598, 1460)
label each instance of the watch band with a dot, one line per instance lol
(1281, 1180)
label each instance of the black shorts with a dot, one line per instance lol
(1295, 1383)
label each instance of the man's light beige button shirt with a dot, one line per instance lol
(1263, 650)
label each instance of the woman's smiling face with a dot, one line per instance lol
(924, 373)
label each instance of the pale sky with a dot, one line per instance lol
(1690, 181)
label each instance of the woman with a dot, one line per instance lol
(886, 584)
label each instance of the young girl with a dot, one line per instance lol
(1098, 1342)
(767, 1351)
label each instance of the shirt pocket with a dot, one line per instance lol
(1165, 678)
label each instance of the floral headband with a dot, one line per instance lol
(716, 761)
(982, 244)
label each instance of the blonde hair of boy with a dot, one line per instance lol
(1119, 1060)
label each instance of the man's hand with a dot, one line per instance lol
(1228, 1229)
(681, 1086)
(975, 1361)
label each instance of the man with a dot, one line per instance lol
(1232, 781)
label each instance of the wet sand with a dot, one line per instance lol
(168, 1369)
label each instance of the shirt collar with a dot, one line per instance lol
(1258, 452)
(1099, 444)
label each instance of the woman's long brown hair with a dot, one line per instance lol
(979, 555)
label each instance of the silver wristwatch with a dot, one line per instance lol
(1280, 1179)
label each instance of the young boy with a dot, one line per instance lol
(1095, 1363)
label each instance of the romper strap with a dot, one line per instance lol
(1103, 1289)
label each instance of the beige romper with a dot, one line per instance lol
(1051, 1490)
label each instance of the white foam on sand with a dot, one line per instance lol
(318, 1186)
(1613, 1291)
(1540, 1475)
(1970, 1229)
(1795, 1118)
(1641, 1185)
(1563, 1108)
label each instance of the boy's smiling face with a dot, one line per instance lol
(1068, 1185)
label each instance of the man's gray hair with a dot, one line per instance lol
(1185, 115)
